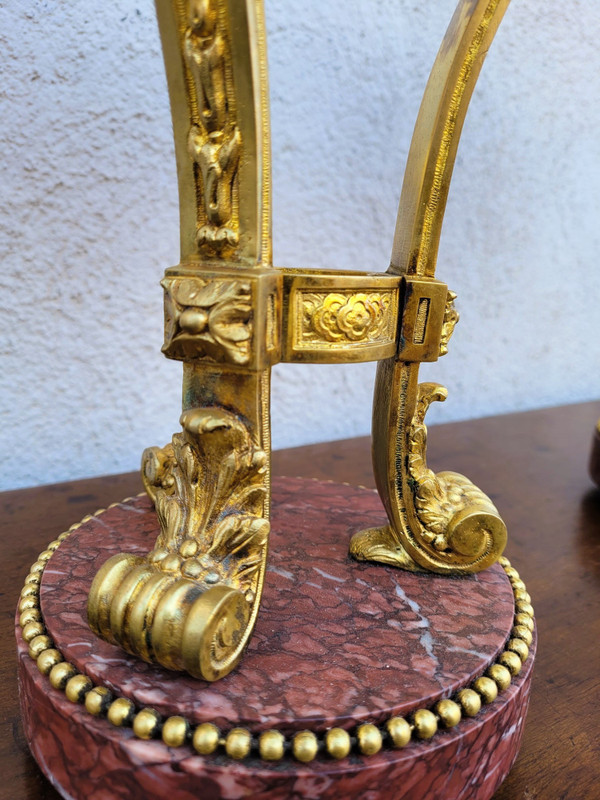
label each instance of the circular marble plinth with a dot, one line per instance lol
(337, 643)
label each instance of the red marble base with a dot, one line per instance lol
(337, 643)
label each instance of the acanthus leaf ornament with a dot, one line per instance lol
(208, 491)
(451, 317)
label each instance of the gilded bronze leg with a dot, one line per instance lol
(437, 522)
(192, 602)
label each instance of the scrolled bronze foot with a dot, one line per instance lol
(188, 604)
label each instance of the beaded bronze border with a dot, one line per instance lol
(271, 745)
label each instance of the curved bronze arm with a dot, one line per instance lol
(441, 523)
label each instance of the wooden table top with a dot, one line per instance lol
(534, 467)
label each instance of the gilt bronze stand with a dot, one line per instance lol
(399, 670)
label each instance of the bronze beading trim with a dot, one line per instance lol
(239, 743)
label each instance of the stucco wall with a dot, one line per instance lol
(89, 221)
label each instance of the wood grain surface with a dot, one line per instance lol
(595, 457)
(534, 467)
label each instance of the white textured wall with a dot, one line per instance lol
(88, 215)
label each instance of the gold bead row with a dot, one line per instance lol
(271, 745)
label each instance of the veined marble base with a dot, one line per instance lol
(337, 643)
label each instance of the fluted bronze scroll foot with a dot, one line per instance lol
(173, 621)
(472, 533)
(441, 522)
(191, 603)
